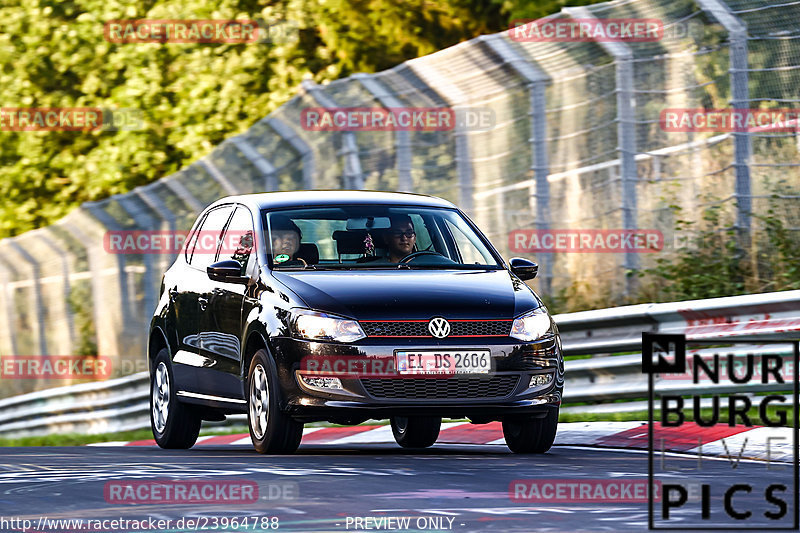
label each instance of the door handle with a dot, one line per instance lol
(203, 303)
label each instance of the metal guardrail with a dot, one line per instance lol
(774, 315)
(123, 404)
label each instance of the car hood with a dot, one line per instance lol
(415, 294)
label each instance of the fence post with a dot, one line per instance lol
(8, 310)
(266, 168)
(38, 304)
(353, 177)
(298, 145)
(402, 137)
(217, 175)
(109, 223)
(456, 99)
(537, 81)
(183, 193)
(626, 136)
(62, 254)
(107, 339)
(737, 69)
(160, 208)
(144, 222)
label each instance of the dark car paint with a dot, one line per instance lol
(260, 309)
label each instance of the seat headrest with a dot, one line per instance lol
(309, 252)
(352, 241)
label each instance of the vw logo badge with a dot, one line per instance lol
(439, 327)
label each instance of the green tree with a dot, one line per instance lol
(53, 53)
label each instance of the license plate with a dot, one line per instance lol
(437, 363)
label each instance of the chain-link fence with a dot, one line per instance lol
(577, 144)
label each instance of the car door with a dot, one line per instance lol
(221, 324)
(201, 252)
(182, 286)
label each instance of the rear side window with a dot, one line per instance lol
(206, 242)
(237, 243)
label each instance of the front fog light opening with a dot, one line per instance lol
(322, 383)
(540, 380)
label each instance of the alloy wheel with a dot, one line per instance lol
(259, 402)
(161, 397)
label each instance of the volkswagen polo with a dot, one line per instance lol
(345, 306)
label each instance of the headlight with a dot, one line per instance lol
(323, 327)
(531, 326)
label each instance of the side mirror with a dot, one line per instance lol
(229, 271)
(523, 268)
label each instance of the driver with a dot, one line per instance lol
(285, 237)
(400, 238)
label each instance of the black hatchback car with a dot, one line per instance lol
(344, 306)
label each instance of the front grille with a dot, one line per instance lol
(450, 388)
(419, 328)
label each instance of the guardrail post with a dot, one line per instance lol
(738, 71)
(38, 305)
(353, 177)
(537, 80)
(298, 145)
(402, 137)
(266, 168)
(626, 136)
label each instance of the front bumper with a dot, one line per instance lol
(505, 391)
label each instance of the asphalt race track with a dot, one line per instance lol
(449, 487)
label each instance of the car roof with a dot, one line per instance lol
(279, 200)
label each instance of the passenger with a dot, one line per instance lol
(286, 238)
(401, 238)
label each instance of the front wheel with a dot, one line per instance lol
(416, 431)
(271, 430)
(526, 434)
(175, 425)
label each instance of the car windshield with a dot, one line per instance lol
(374, 237)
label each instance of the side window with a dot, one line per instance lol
(189, 249)
(237, 243)
(208, 237)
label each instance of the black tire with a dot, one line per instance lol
(277, 433)
(416, 431)
(175, 425)
(525, 434)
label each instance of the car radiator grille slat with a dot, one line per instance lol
(458, 328)
(451, 388)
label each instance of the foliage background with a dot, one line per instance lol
(192, 96)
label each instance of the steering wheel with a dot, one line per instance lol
(414, 255)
